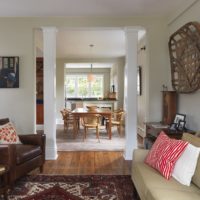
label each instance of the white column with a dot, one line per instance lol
(49, 48)
(130, 92)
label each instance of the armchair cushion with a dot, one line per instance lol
(26, 152)
(8, 134)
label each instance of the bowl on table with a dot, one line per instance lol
(91, 108)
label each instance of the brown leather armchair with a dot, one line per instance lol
(23, 158)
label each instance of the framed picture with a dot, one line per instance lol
(173, 127)
(181, 125)
(139, 80)
(179, 117)
(9, 72)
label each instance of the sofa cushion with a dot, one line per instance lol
(26, 152)
(164, 154)
(149, 182)
(196, 142)
(168, 194)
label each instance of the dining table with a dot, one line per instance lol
(84, 112)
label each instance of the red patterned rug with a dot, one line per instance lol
(95, 187)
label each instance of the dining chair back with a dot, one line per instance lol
(67, 118)
(91, 121)
(117, 120)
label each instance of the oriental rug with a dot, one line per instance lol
(57, 187)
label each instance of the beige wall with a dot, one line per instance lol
(188, 103)
(117, 78)
(17, 38)
(141, 112)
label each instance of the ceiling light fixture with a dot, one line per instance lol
(90, 76)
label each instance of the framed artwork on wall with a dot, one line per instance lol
(9, 72)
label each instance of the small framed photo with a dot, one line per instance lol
(173, 127)
(179, 117)
(181, 125)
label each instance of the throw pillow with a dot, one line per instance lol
(185, 166)
(8, 134)
(164, 154)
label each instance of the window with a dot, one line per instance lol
(78, 86)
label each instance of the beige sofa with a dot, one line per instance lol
(152, 186)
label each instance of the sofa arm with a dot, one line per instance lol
(8, 154)
(139, 155)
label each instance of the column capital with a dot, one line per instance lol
(49, 29)
(132, 29)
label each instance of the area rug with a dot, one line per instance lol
(66, 142)
(51, 187)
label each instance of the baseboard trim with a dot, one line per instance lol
(51, 153)
(39, 127)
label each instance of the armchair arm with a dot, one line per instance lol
(33, 139)
(8, 154)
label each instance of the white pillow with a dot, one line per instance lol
(185, 166)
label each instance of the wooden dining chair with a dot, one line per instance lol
(117, 120)
(91, 121)
(67, 118)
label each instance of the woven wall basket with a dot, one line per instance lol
(184, 50)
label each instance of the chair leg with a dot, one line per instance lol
(65, 126)
(119, 129)
(97, 133)
(41, 169)
(84, 134)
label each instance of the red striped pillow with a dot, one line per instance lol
(164, 154)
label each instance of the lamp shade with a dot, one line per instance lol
(90, 77)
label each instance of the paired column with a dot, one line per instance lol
(130, 92)
(49, 49)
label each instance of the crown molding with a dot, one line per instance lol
(179, 12)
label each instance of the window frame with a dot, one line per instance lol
(89, 86)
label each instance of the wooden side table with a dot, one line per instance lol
(154, 128)
(3, 181)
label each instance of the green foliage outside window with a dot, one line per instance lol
(78, 86)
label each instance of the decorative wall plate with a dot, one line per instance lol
(184, 50)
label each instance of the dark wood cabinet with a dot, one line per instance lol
(169, 104)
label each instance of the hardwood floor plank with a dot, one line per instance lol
(88, 163)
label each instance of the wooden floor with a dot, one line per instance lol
(88, 163)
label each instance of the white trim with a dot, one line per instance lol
(59, 121)
(39, 127)
(49, 47)
(179, 12)
(51, 153)
(130, 91)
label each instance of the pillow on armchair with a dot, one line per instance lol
(8, 134)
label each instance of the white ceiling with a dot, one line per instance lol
(24, 8)
(75, 44)
(107, 43)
